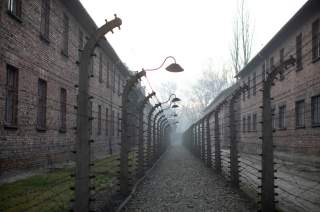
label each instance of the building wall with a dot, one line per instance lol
(25, 147)
(296, 85)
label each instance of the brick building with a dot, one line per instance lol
(39, 52)
(296, 93)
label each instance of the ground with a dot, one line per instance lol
(180, 182)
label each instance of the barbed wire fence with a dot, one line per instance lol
(273, 158)
(45, 166)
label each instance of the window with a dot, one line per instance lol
(281, 62)
(112, 123)
(99, 120)
(100, 67)
(249, 123)
(63, 109)
(300, 114)
(65, 34)
(271, 64)
(254, 122)
(108, 73)
(119, 125)
(315, 110)
(243, 124)
(114, 79)
(45, 19)
(244, 93)
(273, 120)
(315, 40)
(11, 109)
(42, 104)
(254, 83)
(14, 8)
(249, 87)
(90, 117)
(91, 66)
(282, 117)
(119, 85)
(299, 51)
(263, 75)
(81, 45)
(107, 119)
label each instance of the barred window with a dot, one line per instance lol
(42, 104)
(281, 62)
(107, 121)
(99, 119)
(11, 109)
(119, 85)
(263, 73)
(300, 114)
(254, 83)
(119, 125)
(65, 35)
(273, 115)
(45, 19)
(315, 110)
(249, 123)
(108, 73)
(90, 117)
(315, 40)
(14, 7)
(63, 109)
(100, 67)
(114, 79)
(282, 117)
(243, 124)
(91, 66)
(271, 64)
(299, 51)
(112, 123)
(254, 122)
(81, 44)
(249, 87)
(244, 93)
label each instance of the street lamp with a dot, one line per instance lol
(173, 67)
(175, 106)
(124, 178)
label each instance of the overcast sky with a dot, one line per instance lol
(194, 32)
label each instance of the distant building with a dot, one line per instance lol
(295, 95)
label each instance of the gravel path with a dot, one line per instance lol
(180, 182)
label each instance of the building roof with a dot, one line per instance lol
(87, 23)
(306, 11)
(222, 96)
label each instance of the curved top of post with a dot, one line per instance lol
(146, 99)
(90, 45)
(278, 70)
(174, 67)
(238, 92)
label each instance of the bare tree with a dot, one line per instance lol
(203, 91)
(166, 88)
(242, 38)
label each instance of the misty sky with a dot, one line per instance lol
(194, 32)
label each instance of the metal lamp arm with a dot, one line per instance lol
(154, 69)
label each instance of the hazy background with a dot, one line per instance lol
(197, 33)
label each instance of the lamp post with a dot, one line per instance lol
(149, 133)
(154, 135)
(161, 138)
(141, 157)
(82, 178)
(158, 140)
(124, 174)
